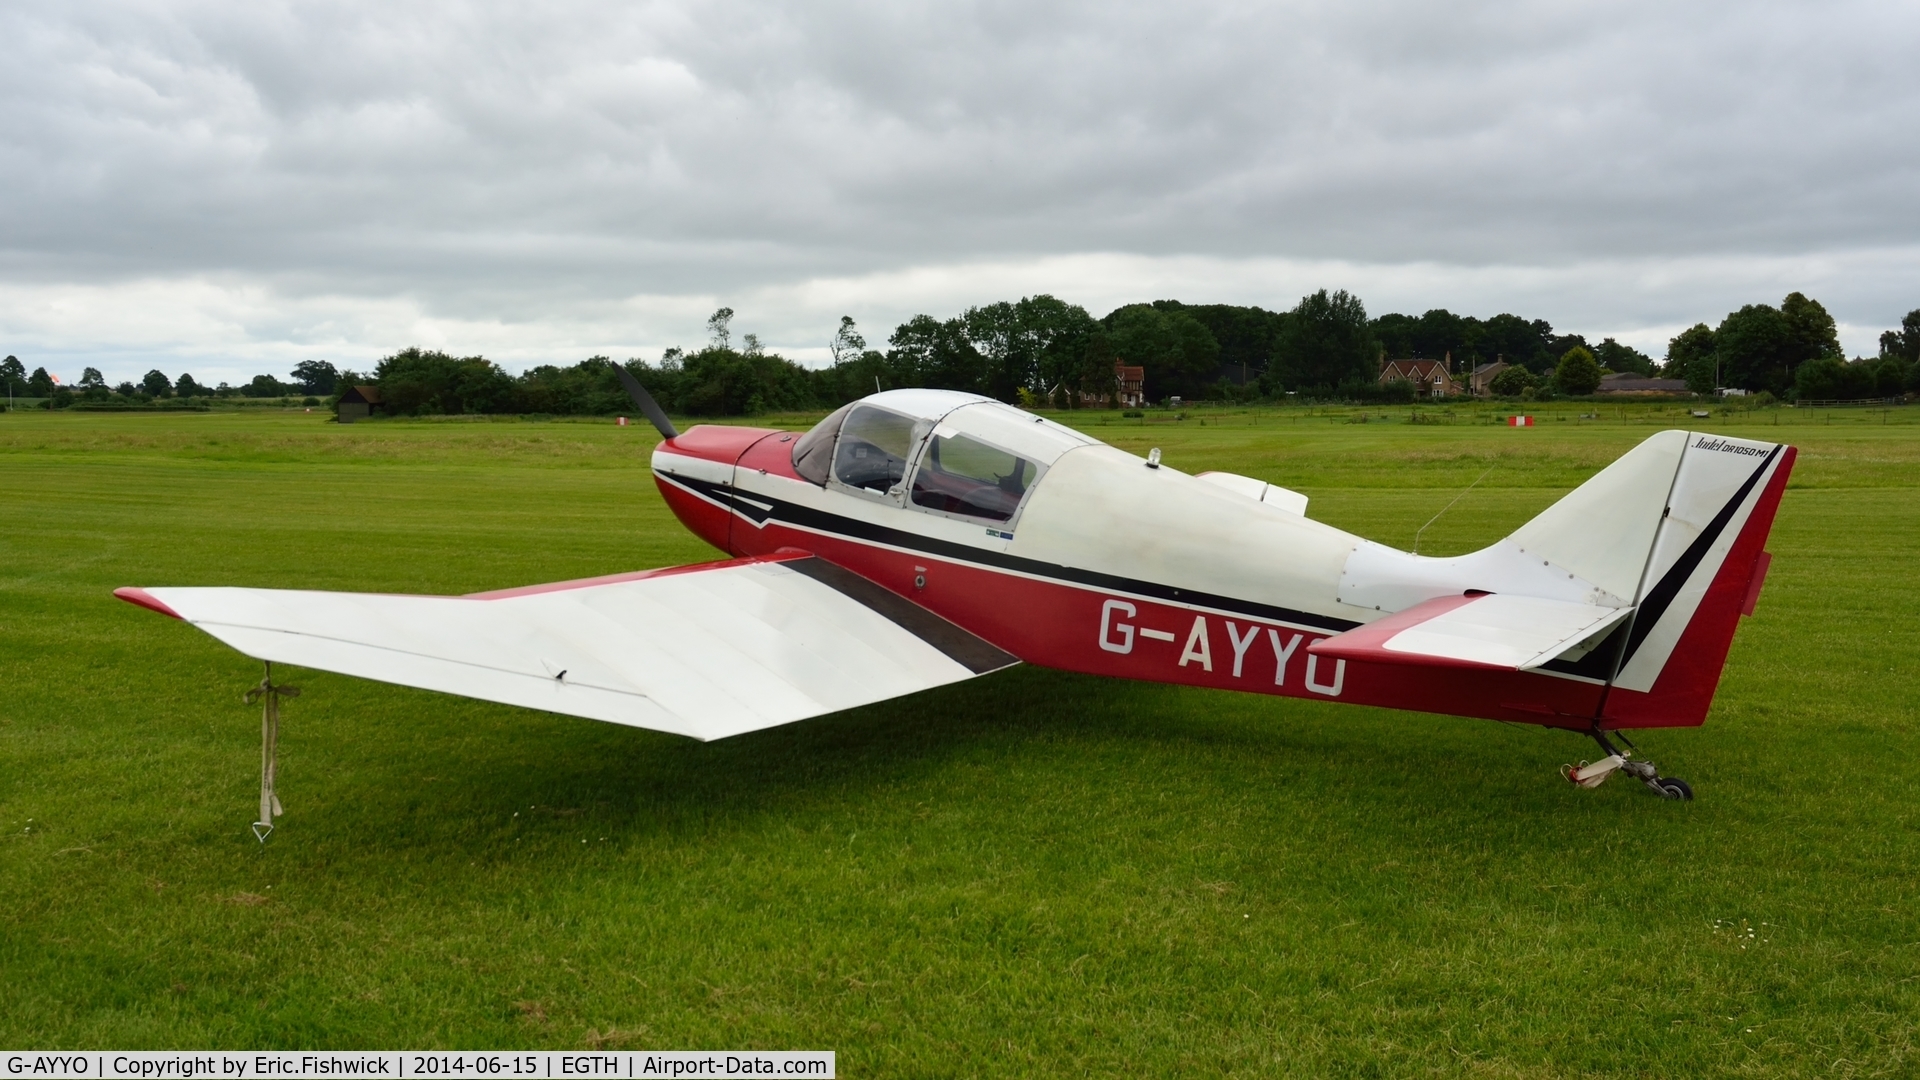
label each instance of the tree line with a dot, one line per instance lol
(313, 378)
(1793, 351)
(1036, 350)
(1041, 349)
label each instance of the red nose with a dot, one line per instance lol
(691, 470)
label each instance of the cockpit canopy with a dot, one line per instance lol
(935, 450)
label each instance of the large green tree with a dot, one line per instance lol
(847, 343)
(1327, 344)
(1527, 342)
(1894, 376)
(1903, 343)
(1245, 334)
(1760, 346)
(925, 351)
(1058, 336)
(1512, 381)
(93, 385)
(1691, 356)
(1811, 332)
(315, 376)
(1577, 374)
(1399, 335)
(1753, 349)
(414, 381)
(1000, 335)
(720, 329)
(1175, 349)
(1617, 357)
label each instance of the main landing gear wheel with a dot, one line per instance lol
(1592, 775)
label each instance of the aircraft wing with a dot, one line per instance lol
(705, 651)
(1483, 630)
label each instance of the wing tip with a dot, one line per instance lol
(142, 598)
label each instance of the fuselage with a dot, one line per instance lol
(1090, 559)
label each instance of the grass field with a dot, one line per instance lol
(1031, 874)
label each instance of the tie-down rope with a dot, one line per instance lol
(270, 695)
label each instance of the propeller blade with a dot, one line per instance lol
(649, 407)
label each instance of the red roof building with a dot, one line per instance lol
(1129, 389)
(1430, 378)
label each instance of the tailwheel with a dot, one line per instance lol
(1672, 787)
(1592, 775)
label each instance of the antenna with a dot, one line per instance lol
(1449, 506)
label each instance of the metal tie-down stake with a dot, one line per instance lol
(270, 696)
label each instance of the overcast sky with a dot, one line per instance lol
(227, 187)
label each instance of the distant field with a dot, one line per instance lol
(1031, 874)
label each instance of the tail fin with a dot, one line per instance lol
(1684, 517)
(1704, 571)
(1672, 533)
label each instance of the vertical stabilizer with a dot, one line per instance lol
(1699, 578)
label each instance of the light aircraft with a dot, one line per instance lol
(916, 538)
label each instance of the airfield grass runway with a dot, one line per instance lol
(1034, 873)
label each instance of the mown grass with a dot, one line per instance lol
(1034, 873)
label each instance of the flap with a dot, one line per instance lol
(1484, 630)
(705, 651)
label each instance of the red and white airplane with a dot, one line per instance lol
(916, 538)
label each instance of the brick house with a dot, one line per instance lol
(1480, 380)
(1129, 389)
(1430, 378)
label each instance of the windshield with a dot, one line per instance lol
(873, 448)
(813, 453)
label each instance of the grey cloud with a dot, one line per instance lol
(496, 161)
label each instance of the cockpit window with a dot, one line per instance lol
(873, 449)
(966, 476)
(813, 453)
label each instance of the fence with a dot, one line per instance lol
(1852, 403)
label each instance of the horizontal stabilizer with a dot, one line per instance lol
(704, 651)
(1483, 630)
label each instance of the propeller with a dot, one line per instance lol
(649, 407)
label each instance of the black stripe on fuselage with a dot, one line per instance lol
(969, 650)
(758, 511)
